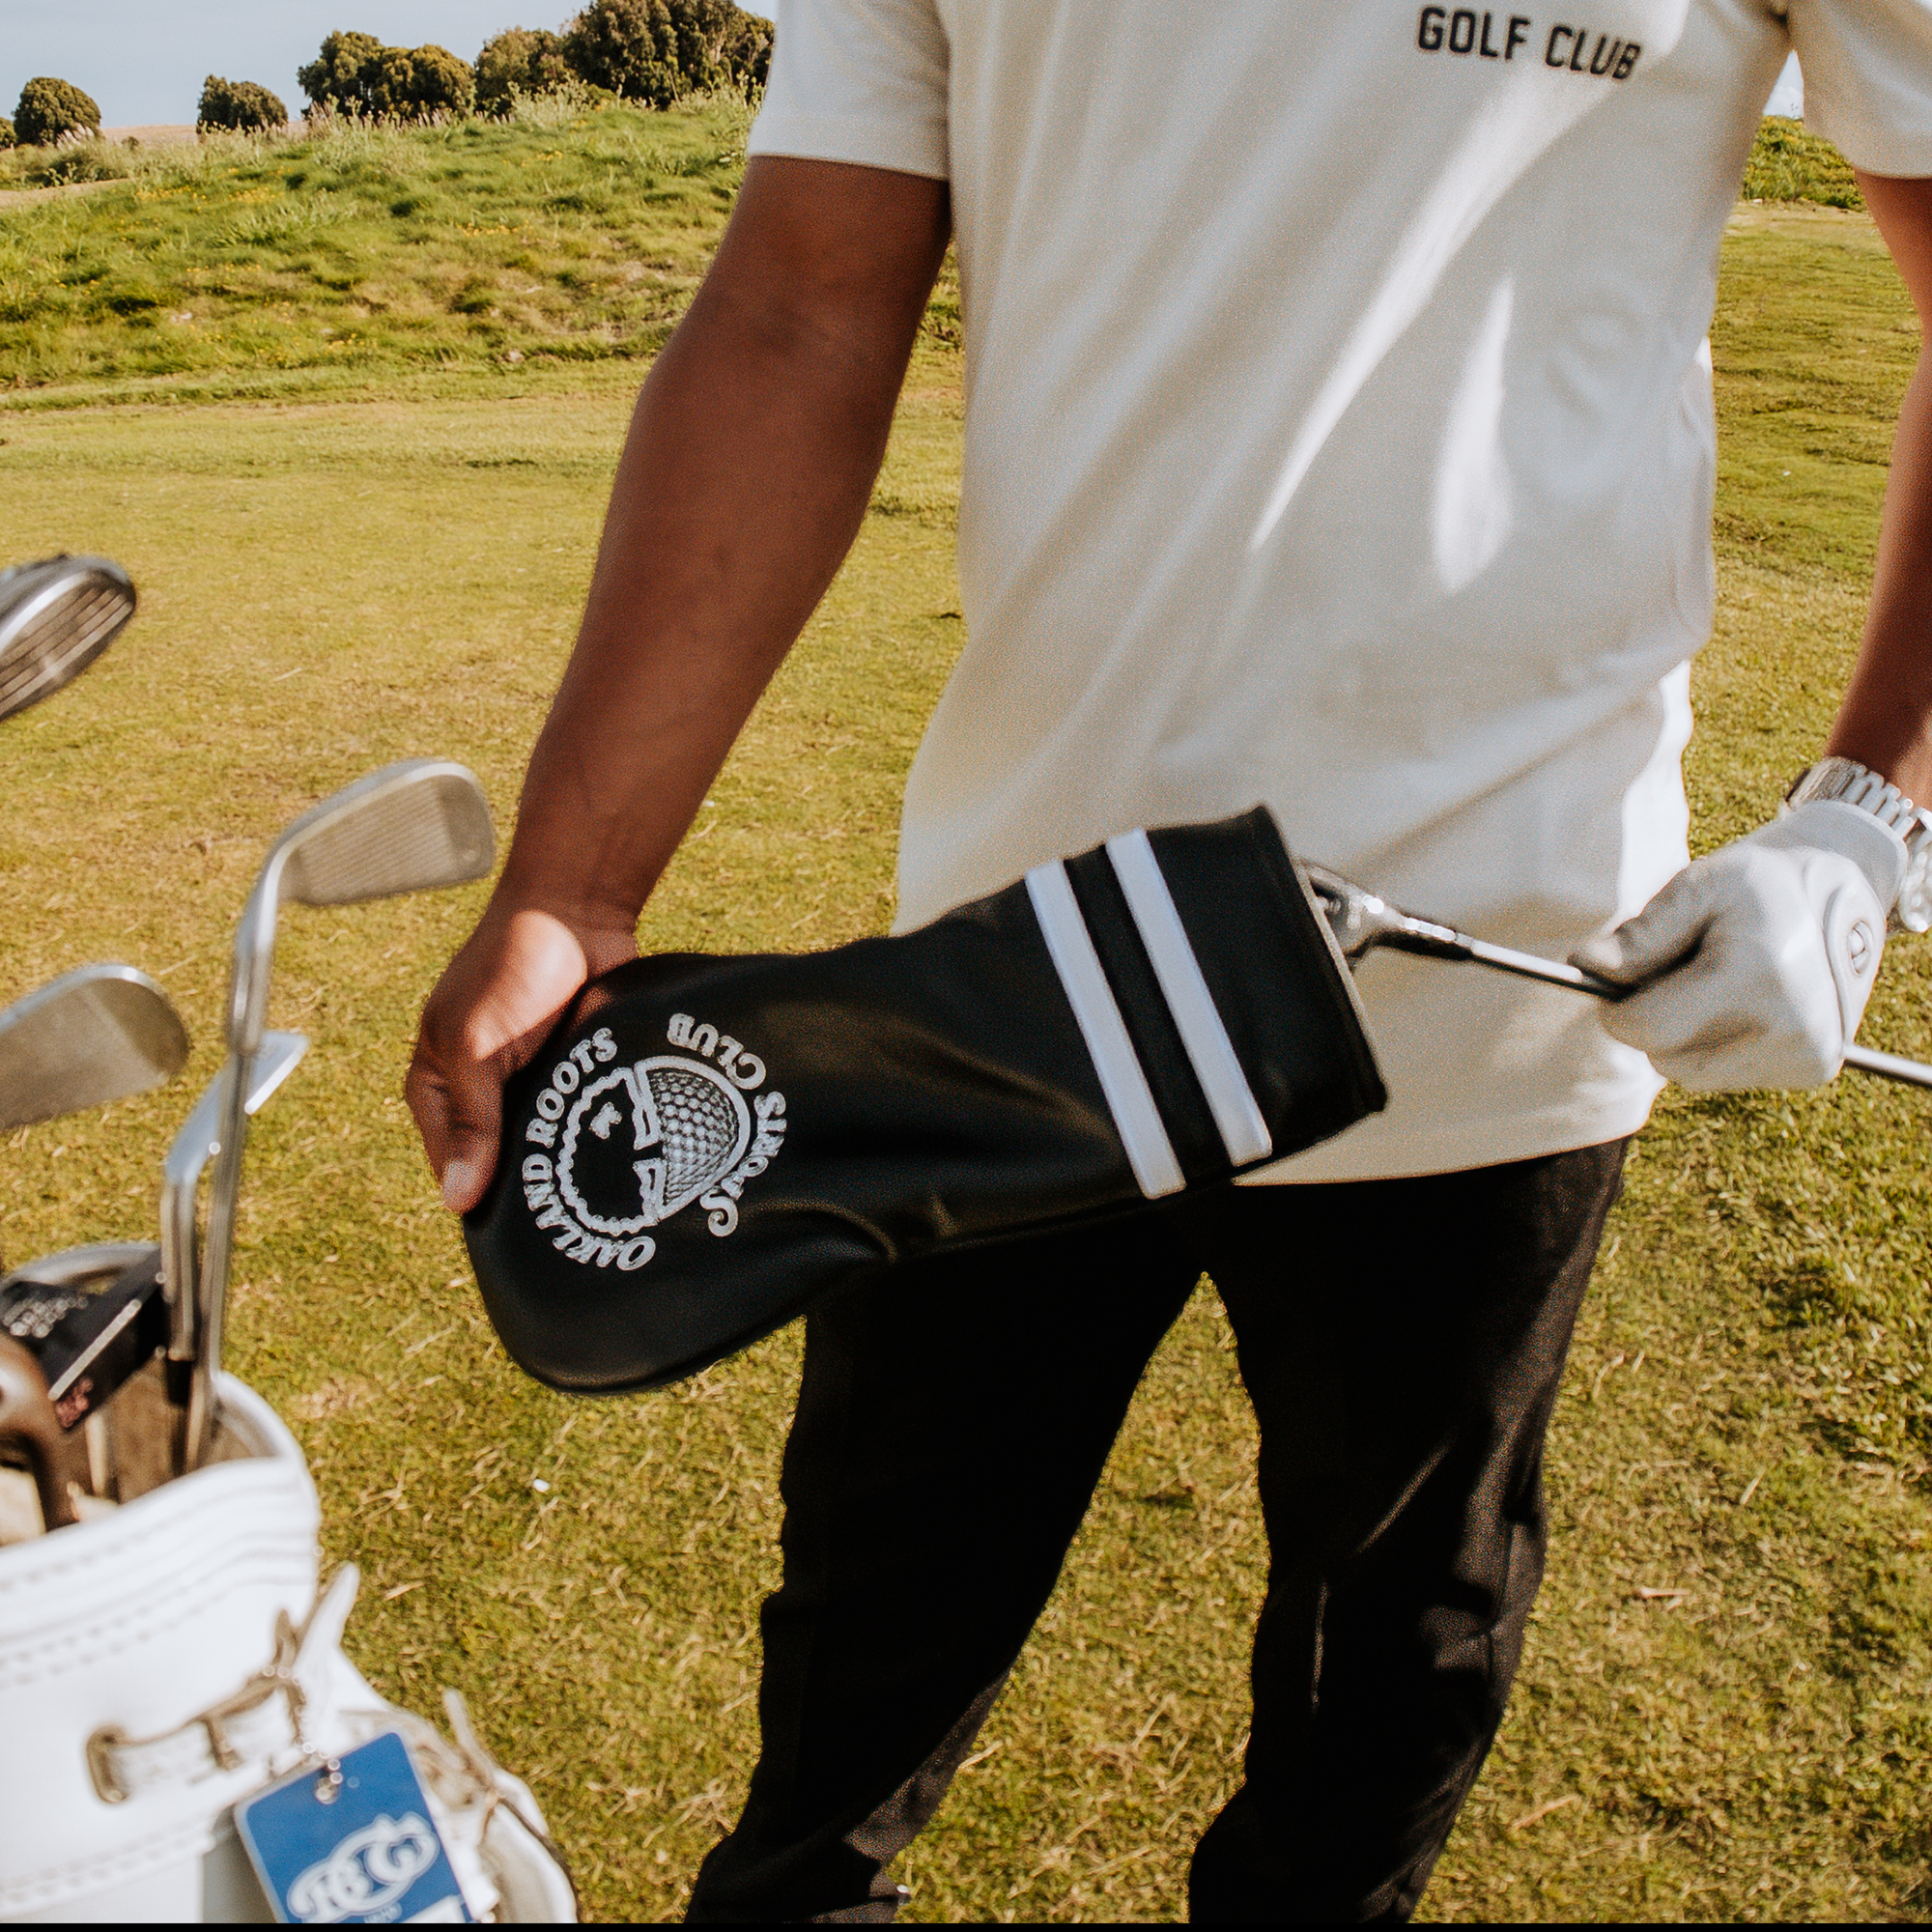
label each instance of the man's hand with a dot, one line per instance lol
(1753, 965)
(746, 475)
(487, 1016)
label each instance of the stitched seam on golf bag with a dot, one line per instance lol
(1129, 1098)
(221, 1572)
(94, 1870)
(111, 1635)
(256, 1480)
(1237, 1116)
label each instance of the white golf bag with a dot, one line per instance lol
(165, 1658)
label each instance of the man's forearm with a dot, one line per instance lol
(1886, 720)
(747, 472)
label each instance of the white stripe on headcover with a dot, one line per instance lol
(1229, 1098)
(1129, 1098)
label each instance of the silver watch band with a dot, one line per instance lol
(1849, 783)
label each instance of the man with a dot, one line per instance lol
(1339, 435)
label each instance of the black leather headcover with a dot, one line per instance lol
(706, 1145)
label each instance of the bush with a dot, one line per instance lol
(356, 74)
(659, 50)
(421, 84)
(6, 135)
(529, 61)
(1788, 163)
(240, 106)
(50, 110)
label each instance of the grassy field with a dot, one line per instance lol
(1723, 1711)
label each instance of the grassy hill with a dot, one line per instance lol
(374, 543)
(557, 240)
(320, 262)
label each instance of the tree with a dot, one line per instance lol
(5, 133)
(50, 109)
(357, 74)
(747, 51)
(521, 59)
(333, 79)
(243, 106)
(658, 50)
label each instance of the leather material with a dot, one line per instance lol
(121, 1633)
(705, 1145)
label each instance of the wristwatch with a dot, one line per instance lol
(1853, 784)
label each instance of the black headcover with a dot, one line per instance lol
(705, 1145)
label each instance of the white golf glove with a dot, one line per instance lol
(1753, 964)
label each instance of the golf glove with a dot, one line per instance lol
(1752, 966)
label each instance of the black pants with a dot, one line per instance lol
(1402, 1342)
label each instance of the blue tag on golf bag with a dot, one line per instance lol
(353, 1844)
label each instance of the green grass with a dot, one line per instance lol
(331, 581)
(364, 249)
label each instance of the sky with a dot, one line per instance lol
(1786, 97)
(144, 61)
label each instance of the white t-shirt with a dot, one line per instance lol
(1339, 435)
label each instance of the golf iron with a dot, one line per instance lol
(410, 828)
(197, 1143)
(1361, 921)
(96, 1035)
(31, 1432)
(56, 617)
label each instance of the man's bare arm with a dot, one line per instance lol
(749, 466)
(1886, 720)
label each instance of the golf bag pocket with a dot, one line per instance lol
(705, 1146)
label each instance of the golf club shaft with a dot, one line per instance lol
(211, 1289)
(1554, 973)
(1889, 1065)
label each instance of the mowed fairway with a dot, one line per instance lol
(1722, 1712)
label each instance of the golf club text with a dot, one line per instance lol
(723, 1200)
(577, 1244)
(566, 1077)
(574, 1242)
(1462, 30)
(708, 1043)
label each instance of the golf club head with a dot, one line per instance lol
(56, 617)
(411, 827)
(30, 1429)
(1361, 919)
(96, 1035)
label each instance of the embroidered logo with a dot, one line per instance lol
(627, 1148)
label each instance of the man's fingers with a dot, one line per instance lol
(473, 1103)
(499, 997)
(1666, 932)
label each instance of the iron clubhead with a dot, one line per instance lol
(94, 1036)
(56, 617)
(411, 827)
(31, 1430)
